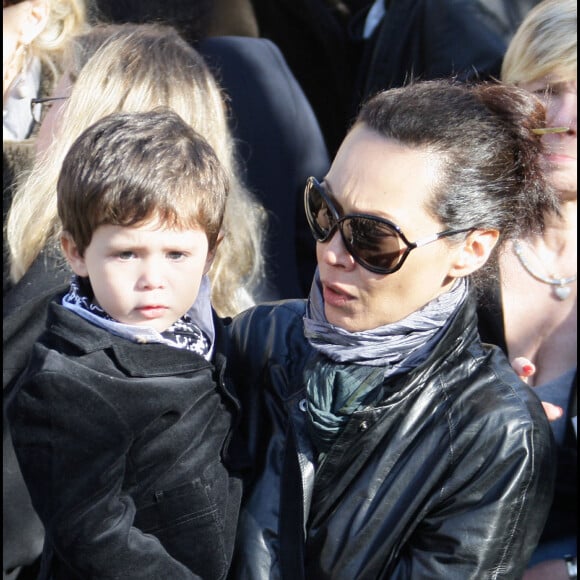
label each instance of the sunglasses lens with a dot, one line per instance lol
(320, 217)
(374, 243)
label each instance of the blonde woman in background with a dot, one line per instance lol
(532, 312)
(137, 68)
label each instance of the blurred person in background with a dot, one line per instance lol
(278, 138)
(35, 35)
(531, 312)
(395, 41)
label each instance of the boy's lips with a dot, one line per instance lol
(152, 311)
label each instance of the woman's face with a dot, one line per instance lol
(561, 99)
(378, 176)
(22, 22)
(13, 22)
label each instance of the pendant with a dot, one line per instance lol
(562, 292)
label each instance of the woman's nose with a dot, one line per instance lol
(335, 253)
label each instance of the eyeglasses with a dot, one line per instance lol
(374, 242)
(38, 107)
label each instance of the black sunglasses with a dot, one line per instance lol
(374, 242)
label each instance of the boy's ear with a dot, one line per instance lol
(72, 255)
(211, 255)
(474, 252)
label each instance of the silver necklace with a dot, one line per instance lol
(560, 285)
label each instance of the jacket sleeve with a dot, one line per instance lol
(72, 446)
(490, 511)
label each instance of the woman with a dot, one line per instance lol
(387, 440)
(532, 312)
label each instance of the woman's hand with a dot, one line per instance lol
(525, 369)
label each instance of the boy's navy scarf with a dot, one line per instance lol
(184, 333)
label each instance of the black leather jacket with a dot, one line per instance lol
(449, 476)
(143, 490)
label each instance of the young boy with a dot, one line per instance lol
(122, 420)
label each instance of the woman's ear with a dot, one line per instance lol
(36, 20)
(72, 255)
(474, 252)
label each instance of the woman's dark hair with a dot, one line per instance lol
(492, 169)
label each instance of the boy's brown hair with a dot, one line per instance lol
(128, 168)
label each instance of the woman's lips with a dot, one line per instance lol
(560, 158)
(334, 296)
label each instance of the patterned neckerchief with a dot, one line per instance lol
(183, 333)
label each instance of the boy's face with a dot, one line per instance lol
(144, 275)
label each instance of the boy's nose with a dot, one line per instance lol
(151, 278)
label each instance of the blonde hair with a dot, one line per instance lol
(66, 19)
(545, 43)
(137, 68)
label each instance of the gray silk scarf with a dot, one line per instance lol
(349, 366)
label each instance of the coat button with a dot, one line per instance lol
(363, 426)
(302, 405)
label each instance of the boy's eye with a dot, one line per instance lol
(127, 255)
(175, 255)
